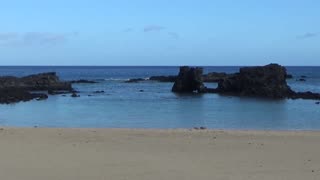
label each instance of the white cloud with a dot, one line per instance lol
(34, 38)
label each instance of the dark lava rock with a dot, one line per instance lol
(52, 92)
(203, 128)
(303, 77)
(289, 76)
(189, 80)
(11, 95)
(98, 92)
(215, 77)
(83, 81)
(304, 95)
(14, 89)
(38, 82)
(141, 90)
(317, 103)
(40, 97)
(163, 78)
(135, 80)
(74, 95)
(261, 81)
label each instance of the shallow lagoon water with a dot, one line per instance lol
(124, 106)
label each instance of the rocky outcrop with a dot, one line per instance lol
(14, 89)
(11, 95)
(38, 82)
(189, 80)
(263, 81)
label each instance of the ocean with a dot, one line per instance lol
(124, 106)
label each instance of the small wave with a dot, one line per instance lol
(120, 79)
(115, 79)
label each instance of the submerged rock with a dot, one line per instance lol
(189, 80)
(74, 95)
(301, 79)
(98, 92)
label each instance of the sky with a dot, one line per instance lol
(159, 32)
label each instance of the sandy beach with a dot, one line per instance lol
(129, 154)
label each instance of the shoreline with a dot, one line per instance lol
(167, 129)
(143, 154)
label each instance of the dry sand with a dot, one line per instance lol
(124, 154)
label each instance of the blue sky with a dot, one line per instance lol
(162, 32)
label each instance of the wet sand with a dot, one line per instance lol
(129, 154)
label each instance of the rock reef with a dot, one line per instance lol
(37, 82)
(260, 81)
(14, 89)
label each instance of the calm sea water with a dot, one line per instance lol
(124, 106)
